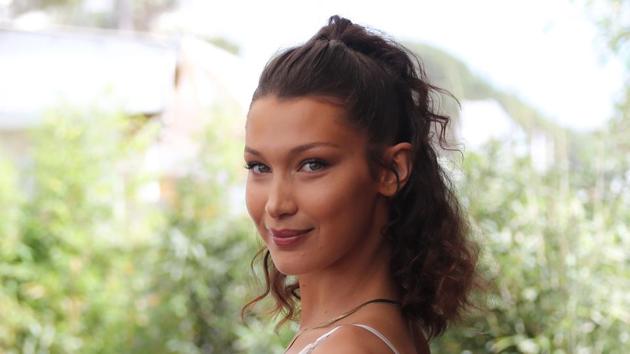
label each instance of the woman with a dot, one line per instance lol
(365, 242)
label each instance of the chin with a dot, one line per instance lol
(290, 267)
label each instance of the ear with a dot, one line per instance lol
(399, 158)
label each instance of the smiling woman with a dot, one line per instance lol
(310, 192)
(346, 192)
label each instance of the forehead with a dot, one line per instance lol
(276, 123)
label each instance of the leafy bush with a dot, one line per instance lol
(62, 290)
(556, 260)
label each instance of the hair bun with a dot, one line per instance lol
(335, 29)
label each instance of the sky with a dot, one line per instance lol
(545, 51)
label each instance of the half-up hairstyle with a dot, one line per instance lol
(386, 94)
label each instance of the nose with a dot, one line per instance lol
(280, 201)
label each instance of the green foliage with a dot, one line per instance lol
(59, 285)
(556, 259)
(611, 17)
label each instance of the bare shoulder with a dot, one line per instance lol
(352, 340)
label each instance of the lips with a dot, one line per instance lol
(288, 238)
(286, 233)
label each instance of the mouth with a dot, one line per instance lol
(287, 237)
(287, 233)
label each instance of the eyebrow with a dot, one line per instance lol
(297, 149)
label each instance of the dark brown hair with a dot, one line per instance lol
(386, 94)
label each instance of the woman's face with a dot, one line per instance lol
(309, 190)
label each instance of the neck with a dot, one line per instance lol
(329, 293)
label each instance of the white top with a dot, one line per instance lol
(311, 346)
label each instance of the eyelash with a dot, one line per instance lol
(323, 164)
(251, 165)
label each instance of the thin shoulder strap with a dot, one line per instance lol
(325, 335)
(378, 334)
(310, 347)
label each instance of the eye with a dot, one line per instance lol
(257, 167)
(314, 165)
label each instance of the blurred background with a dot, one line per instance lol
(122, 219)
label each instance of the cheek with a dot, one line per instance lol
(342, 205)
(255, 200)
